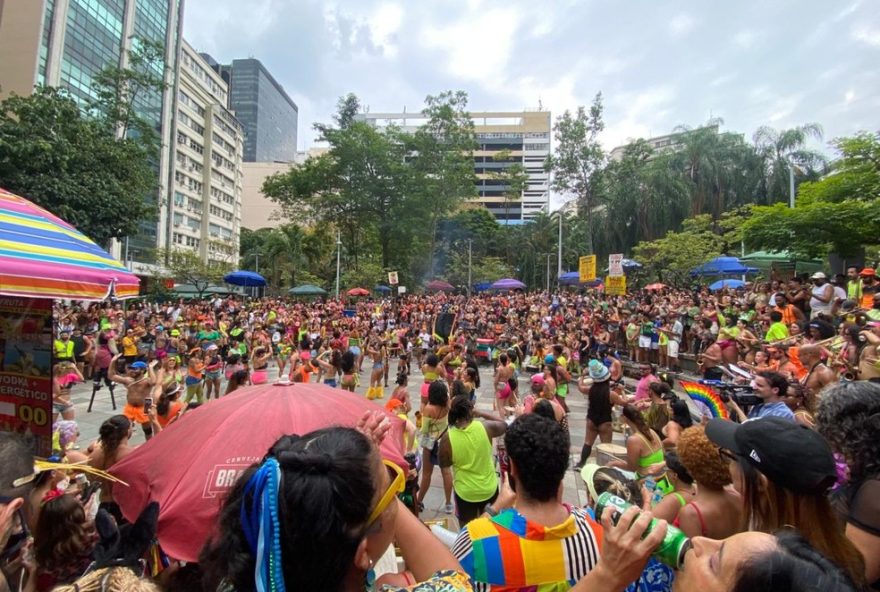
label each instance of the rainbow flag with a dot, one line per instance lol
(707, 396)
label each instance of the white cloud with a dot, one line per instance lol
(849, 96)
(867, 35)
(846, 12)
(384, 24)
(745, 39)
(681, 24)
(478, 45)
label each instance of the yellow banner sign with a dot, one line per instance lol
(587, 268)
(615, 286)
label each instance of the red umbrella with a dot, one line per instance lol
(190, 466)
(358, 292)
(440, 286)
(653, 287)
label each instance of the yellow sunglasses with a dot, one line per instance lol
(396, 487)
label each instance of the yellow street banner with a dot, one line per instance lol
(587, 268)
(615, 286)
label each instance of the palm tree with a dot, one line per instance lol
(781, 149)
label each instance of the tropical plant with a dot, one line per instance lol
(782, 150)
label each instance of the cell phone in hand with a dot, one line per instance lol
(148, 404)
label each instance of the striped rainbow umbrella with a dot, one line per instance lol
(42, 256)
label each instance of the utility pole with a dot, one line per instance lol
(338, 259)
(470, 242)
(790, 185)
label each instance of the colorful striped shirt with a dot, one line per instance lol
(508, 552)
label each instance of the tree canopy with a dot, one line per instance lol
(91, 165)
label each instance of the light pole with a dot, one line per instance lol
(548, 271)
(559, 260)
(338, 256)
(790, 185)
(469, 267)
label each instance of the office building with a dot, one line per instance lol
(205, 210)
(257, 210)
(525, 139)
(660, 144)
(262, 105)
(65, 43)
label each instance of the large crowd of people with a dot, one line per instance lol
(781, 497)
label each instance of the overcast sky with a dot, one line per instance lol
(658, 64)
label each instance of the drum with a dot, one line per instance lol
(605, 453)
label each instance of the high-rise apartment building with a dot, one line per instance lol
(262, 105)
(204, 213)
(504, 139)
(65, 43)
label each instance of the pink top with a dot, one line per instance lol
(642, 392)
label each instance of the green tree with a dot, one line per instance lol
(121, 94)
(67, 162)
(781, 149)
(579, 158)
(186, 267)
(513, 178)
(482, 269)
(838, 214)
(440, 155)
(671, 258)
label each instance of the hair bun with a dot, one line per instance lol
(314, 463)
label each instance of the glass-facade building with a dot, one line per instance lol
(79, 38)
(268, 114)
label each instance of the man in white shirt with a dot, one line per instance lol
(822, 296)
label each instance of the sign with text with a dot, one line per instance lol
(587, 268)
(401, 289)
(26, 369)
(615, 286)
(615, 265)
(392, 278)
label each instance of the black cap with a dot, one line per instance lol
(789, 454)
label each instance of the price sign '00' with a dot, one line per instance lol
(33, 415)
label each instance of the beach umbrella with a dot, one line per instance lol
(721, 284)
(358, 292)
(655, 287)
(722, 266)
(42, 256)
(508, 284)
(192, 464)
(248, 279)
(307, 290)
(382, 289)
(439, 286)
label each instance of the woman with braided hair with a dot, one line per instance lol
(317, 514)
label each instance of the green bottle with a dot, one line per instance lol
(671, 550)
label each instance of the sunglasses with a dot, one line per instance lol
(394, 489)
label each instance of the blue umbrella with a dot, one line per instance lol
(722, 266)
(573, 278)
(720, 284)
(482, 286)
(570, 278)
(245, 278)
(381, 288)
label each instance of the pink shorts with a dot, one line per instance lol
(259, 377)
(504, 392)
(424, 391)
